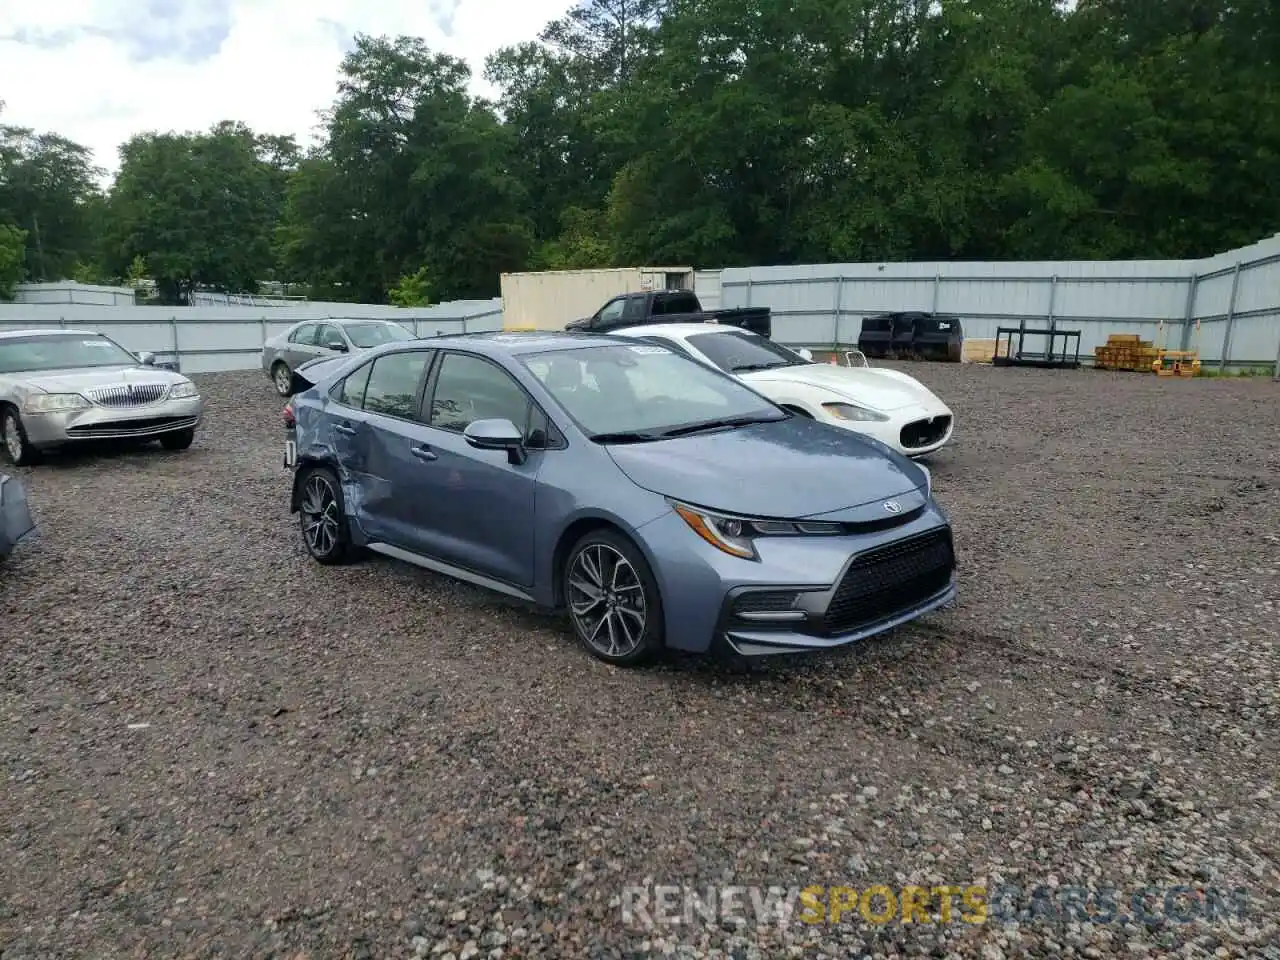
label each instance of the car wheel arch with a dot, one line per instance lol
(578, 528)
(305, 463)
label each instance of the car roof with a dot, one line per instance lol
(48, 332)
(679, 330)
(520, 342)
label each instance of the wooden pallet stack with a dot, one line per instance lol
(1126, 351)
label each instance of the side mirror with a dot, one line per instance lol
(146, 358)
(337, 346)
(805, 354)
(497, 434)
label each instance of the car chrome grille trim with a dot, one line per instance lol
(128, 394)
(923, 433)
(122, 429)
(891, 579)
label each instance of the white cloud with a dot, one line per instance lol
(98, 71)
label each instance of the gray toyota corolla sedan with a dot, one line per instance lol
(655, 499)
(63, 387)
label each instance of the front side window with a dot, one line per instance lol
(740, 352)
(469, 389)
(62, 352)
(327, 335)
(643, 390)
(394, 379)
(612, 311)
(375, 333)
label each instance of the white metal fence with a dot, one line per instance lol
(210, 339)
(1227, 306)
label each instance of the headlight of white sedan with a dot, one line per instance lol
(851, 411)
(54, 402)
(183, 390)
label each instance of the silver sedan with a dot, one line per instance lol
(59, 388)
(285, 352)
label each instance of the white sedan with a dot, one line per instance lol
(888, 405)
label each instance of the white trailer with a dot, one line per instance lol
(548, 300)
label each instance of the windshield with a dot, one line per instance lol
(739, 351)
(644, 392)
(365, 335)
(61, 352)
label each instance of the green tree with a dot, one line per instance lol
(412, 173)
(48, 187)
(200, 209)
(413, 290)
(12, 259)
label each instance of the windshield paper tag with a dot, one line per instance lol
(648, 350)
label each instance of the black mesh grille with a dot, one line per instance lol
(890, 580)
(764, 601)
(921, 433)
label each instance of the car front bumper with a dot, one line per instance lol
(803, 593)
(48, 431)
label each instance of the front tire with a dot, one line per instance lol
(282, 378)
(325, 533)
(613, 600)
(16, 445)
(179, 440)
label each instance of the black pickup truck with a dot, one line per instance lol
(670, 306)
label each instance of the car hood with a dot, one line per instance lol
(886, 390)
(86, 378)
(785, 469)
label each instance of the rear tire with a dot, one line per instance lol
(178, 440)
(282, 378)
(613, 600)
(325, 532)
(14, 435)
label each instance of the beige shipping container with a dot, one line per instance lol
(548, 300)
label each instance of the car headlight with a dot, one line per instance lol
(928, 481)
(851, 411)
(54, 402)
(180, 391)
(736, 535)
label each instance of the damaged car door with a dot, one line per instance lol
(383, 460)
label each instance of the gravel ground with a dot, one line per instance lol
(212, 746)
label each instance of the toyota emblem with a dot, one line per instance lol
(893, 506)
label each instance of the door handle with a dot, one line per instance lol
(345, 428)
(423, 452)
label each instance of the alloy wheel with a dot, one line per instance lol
(12, 439)
(607, 600)
(283, 379)
(319, 516)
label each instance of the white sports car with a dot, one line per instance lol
(889, 405)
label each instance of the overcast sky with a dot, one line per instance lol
(98, 71)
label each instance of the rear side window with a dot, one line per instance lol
(304, 334)
(394, 379)
(676, 303)
(350, 391)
